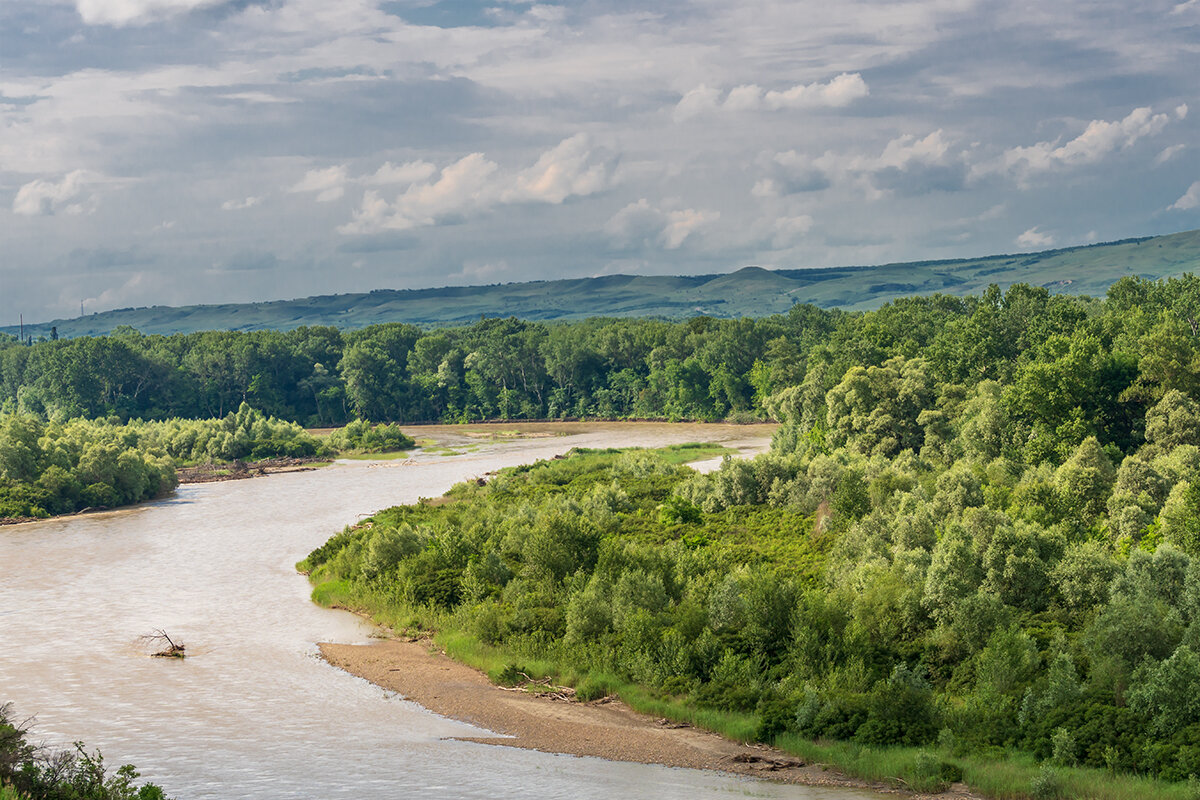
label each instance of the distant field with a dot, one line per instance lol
(751, 291)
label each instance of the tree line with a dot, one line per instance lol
(1117, 354)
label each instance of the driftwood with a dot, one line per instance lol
(169, 647)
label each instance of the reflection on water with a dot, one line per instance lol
(255, 713)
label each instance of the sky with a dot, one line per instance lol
(199, 151)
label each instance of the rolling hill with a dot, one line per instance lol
(750, 291)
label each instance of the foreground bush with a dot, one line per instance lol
(33, 773)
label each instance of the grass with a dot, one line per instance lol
(9, 793)
(1006, 777)
(466, 648)
(693, 451)
(390, 455)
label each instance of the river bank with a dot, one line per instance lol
(240, 470)
(550, 722)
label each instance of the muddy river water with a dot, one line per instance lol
(254, 712)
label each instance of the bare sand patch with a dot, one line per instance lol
(603, 729)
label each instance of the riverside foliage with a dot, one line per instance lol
(985, 534)
(58, 467)
(29, 772)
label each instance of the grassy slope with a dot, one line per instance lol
(751, 291)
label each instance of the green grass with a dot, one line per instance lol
(390, 455)
(9, 793)
(1006, 777)
(693, 451)
(494, 661)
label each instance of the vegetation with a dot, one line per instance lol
(749, 292)
(28, 772)
(49, 468)
(975, 538)
(702, 369)
(362, 437)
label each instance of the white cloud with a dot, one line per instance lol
(238, 205)
(1168, 153)
(127, 12)
(683, 223)
(789, 230)
(329, 183)
(564, 171)
(1035, 238)
(406, 173)
(839, 92)
(696, 102)
(640, 223)
(463, 185)
(475, 184)
(42, 197)
(1097, 141)
(1190, 199)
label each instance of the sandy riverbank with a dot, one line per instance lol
(609, 730)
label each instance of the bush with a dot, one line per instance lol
(1046, 785)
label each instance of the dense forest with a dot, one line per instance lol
(978, 527)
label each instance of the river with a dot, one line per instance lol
(254, 712)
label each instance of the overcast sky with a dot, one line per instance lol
(183, 151)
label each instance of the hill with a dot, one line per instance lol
(750, 291)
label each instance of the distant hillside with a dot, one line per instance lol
(751, 291)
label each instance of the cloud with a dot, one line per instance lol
(1168, 153)
(640, 224)
(1098, 140)
(329, 183)
(42, 197)
(564, 171)
(406, 173)
(789, 230)
(911, 166)
(135, 12)
(239, 205)
(1190, 199)
(839, 92)
(791, 173)
(907, 166)
(1035, 238)
(461, 186)
(474, 184)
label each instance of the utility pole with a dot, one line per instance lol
(22, 329)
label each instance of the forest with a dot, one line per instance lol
(1131, 346)
(977, 530)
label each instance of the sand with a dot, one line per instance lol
(606, 729)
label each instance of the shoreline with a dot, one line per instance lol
(241, 470)
(606, 728)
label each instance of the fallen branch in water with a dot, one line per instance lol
(170, 649)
